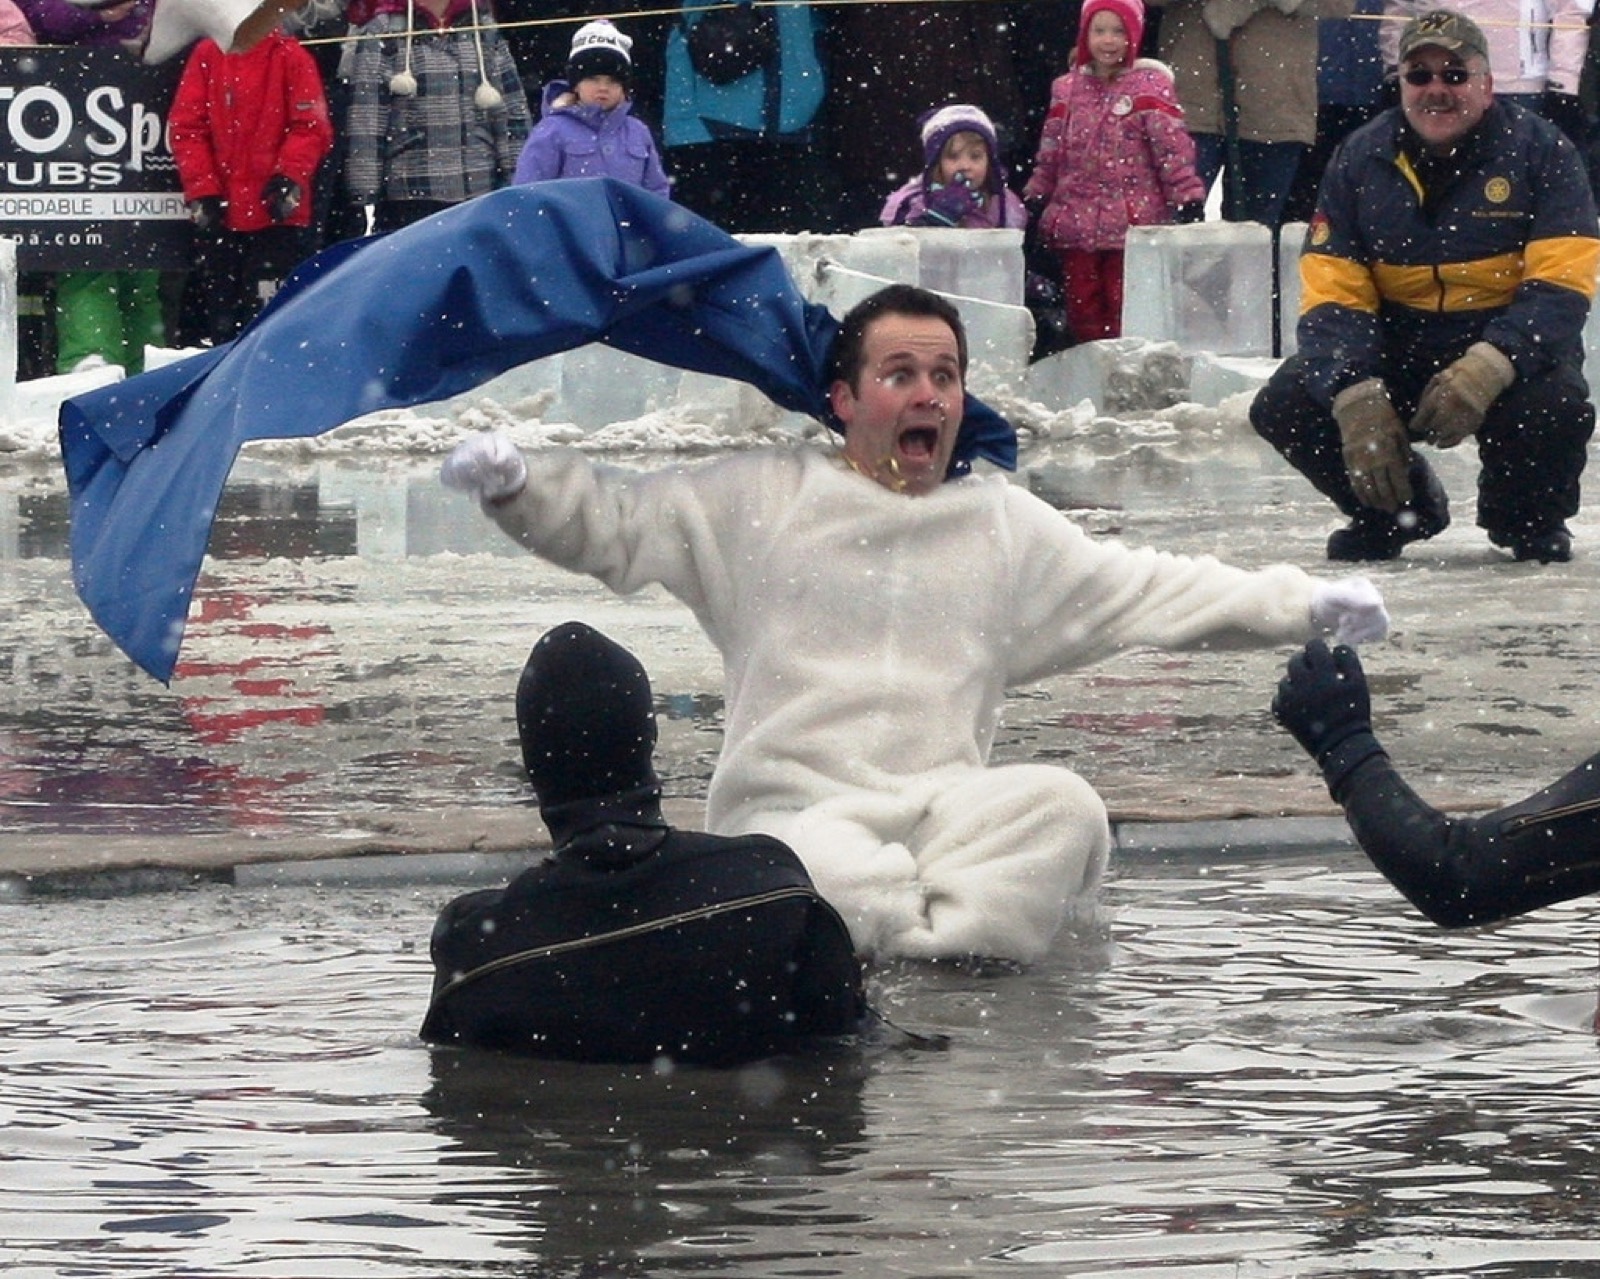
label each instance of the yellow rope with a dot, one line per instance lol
(574, 20)
(1514, 23)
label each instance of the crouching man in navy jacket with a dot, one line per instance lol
(1446, 280)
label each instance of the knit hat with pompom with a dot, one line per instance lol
(1132, 14)
(599, 48)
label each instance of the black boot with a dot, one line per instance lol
(1378, 535)
(1552, 545)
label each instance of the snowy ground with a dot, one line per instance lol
(1143, 383)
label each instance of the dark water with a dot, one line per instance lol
(1258, 1068)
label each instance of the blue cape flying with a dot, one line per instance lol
(420, 315)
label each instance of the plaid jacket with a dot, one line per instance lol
(435, 144)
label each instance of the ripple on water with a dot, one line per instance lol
(1263, 1068)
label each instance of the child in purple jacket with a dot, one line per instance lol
(962, 182)
(1114, 153)
(585, 129)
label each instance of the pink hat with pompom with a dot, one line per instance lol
(1130, 11)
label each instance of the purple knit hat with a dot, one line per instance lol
(938, 127)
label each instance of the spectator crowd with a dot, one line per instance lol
(789, 117)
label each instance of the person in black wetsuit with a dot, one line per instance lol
(1457, 871)
(633, 941)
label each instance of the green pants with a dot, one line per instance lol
(112, 314)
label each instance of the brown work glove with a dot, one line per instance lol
(1457, 396)
(1377, 453)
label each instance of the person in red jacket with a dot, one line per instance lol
(248, 132)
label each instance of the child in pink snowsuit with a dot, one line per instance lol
(1113, 154)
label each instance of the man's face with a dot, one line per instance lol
(1442, 114)
(900, 427)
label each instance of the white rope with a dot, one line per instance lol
(826, 265)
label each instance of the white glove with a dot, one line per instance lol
(1350, 611)
(487, 465)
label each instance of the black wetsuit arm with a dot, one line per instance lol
(1460, 871)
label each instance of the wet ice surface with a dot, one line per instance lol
(357, 634)
(1265, 1069)
(1258, 1068)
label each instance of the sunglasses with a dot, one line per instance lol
(1455, 77)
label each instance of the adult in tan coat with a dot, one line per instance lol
(1246, 75)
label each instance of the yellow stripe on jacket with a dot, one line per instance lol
(1572, 261)
(1483, 284)
(1326, 279)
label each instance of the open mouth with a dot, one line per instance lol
(919, 442)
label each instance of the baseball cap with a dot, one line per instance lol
(1446, 29)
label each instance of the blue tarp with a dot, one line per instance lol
(420, 315)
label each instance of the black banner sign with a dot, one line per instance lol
(87, 179)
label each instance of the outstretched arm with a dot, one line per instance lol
(1456, 871)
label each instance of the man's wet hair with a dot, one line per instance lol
(845, 360)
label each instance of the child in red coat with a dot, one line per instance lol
(248, 132)
(1113, 154)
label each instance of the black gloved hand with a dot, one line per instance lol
(1189, 212)
(1322, 699)
(1565, 111)
(206, 212)
(282, 197)
(1039, 289)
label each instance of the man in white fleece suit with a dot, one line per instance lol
(870, 617)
